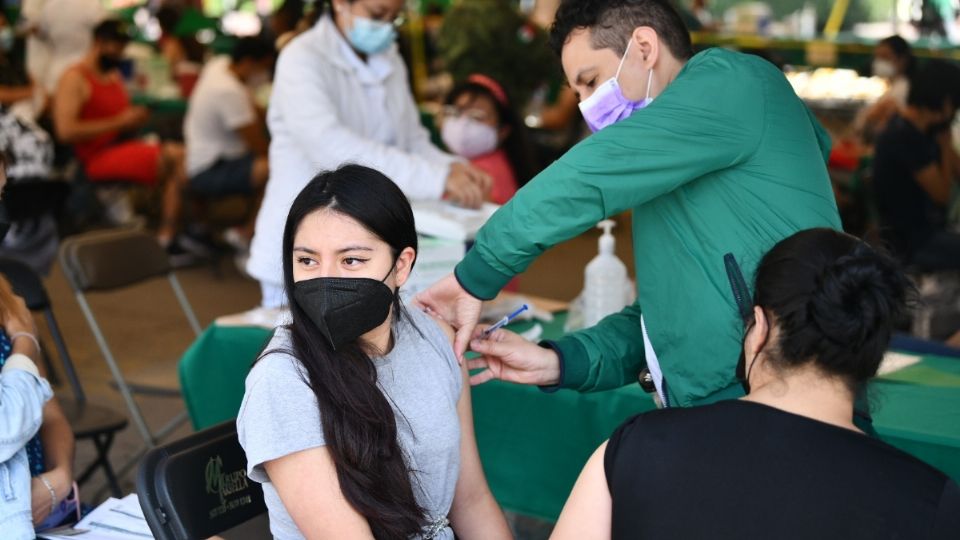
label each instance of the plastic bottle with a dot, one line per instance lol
(604, 280)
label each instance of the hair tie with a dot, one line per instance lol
(493, 86)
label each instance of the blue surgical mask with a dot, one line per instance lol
(371, 37)
(607, 105)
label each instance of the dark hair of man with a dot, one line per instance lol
(835, 301)
(517, 144)
(359, 425)
(902, 50)
(253, 48)
(933, 84)
(612, 22)
(112, 30)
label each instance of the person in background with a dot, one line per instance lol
(61, 33)
(92, 111)
(479, 124)
(15, 84)
(225, 135)
(49, 453)
(183, 53)
(915, 170)
(357, 418)
(341, 95)
(285, 22)
(786, 460)
(701, 11)
(29, 153)
(893, 61)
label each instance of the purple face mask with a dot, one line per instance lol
(607, 105)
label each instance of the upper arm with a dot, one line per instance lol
(474, 512)
(587, 513)
(67, 103)
(310, 491)
(253, 138)
(931, 179)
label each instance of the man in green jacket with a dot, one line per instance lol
(714, 154)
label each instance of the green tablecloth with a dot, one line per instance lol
(161, 105)
(534, 444)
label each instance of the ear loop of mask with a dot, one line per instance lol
(620, 68)
(746, 375)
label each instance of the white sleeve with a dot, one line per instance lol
(235, 109)
(311, 118)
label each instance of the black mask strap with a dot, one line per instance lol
(741, 295)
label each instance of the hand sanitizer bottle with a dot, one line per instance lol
(604, 280)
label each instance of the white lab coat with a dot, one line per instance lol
(320, 118)
(65, 34)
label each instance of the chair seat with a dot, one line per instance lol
(89, 419)
(148, 389)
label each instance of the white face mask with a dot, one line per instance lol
(884, 68)
(469, 138)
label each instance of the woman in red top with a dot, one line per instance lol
(92, 111)
(480, 125)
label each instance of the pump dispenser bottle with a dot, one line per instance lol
(605, 280)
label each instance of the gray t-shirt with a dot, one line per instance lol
(421, 378)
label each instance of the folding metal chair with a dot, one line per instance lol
(115, 259)
(87, 420)
(197, 487)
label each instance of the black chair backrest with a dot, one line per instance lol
(25, 283)
(110, 259)
(197, 487)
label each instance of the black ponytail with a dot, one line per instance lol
(359, 425)
(835, 301)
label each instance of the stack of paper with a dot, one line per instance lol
(436, 258)
(115, 519)
(445, 220)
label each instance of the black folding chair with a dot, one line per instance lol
(197, 487)
(87, 420)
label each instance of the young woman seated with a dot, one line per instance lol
(357, 418)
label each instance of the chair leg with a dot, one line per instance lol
(137, 415)
(103, 447)
(102, 443)
(64, 355)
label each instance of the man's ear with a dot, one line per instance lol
(647, 43)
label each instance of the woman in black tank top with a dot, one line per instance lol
(786, 461)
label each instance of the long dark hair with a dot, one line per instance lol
(517, 144)
(359, 425)
(835, 301)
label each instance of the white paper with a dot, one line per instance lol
(445, 220)
(894, 361)
(115, 519)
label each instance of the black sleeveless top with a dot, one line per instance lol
(738, 469)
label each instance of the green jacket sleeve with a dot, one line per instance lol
(608, 355)
(698, 125)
